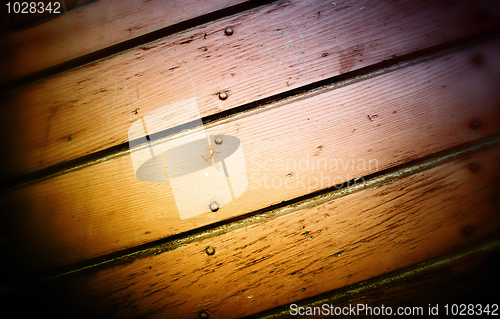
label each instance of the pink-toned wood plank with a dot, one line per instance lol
(289, 151)
(273, 49)
(347, 240)
(91, 27)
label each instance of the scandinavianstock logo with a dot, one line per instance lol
(205, 171)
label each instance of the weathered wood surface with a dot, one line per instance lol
(273, 49)
(290, 151)
(90, 27)
(389, 225)
(464, 277)
(468, 277)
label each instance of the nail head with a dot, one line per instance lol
(210, 250)
(467, 231)
(228, 31)
(214, 206)
(474, 125)
(203, 315)
(474, 167)
(478, 59)
(218, 140)
(222, 96)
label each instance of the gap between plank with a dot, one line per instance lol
(248, 109)
(130, 44)
(256, 217)
(378, 282)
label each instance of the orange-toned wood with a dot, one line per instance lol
(464, 278)
(290, 151)
(385, 227)
(90, 27)
(273, 49)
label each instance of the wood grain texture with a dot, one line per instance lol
(90, 27)
(273, 49)
(353, 238)
(464, 278)
(290, 151)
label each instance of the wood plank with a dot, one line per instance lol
(273, 49)
(463, 278)
(391, 224)
(415, 111)
(90, 27)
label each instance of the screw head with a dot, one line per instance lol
(204, 315)
(222, 96)
(214, 206)
(218, 140)
(228, 31)
(210, 250)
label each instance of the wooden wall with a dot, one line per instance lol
(368, 146)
